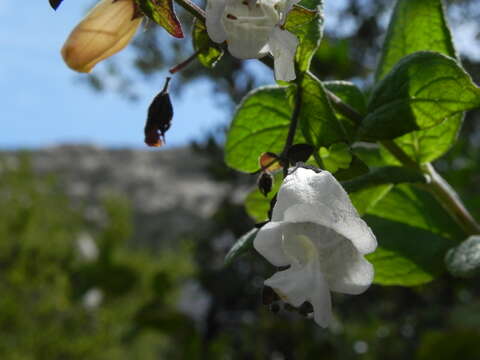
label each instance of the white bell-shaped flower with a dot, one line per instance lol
(316, 231)
(252, 28)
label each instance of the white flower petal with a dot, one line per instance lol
(245, 40)
(282, 45)
(286, 9)
(347, 270)
(299, 284)
(268, 243)
(325, 202)
(214, 13)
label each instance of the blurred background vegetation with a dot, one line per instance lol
(73, 287)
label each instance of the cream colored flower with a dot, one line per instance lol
(252, 29)
(316, 231)
(104, 31)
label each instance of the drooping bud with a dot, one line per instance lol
(299, 153)
(159, 118)
(269, 296)
(104, 31)
(55, 3)
(265, 183)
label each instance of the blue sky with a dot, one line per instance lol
(44, 103)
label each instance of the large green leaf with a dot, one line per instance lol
(350, 94)
(260, 125)
(163, 13)
(413, 233)
(419, 209)
(209, 52)
(422, 90)
(421, 26)
(406, 255)
(318, 122)
(306, 22)
(367, 198)
(415, 26)
(384, 176)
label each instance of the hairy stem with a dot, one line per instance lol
(293, 127)
(449, 199)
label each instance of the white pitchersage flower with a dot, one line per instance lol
(316, 231)
(104, 31)
(252, 28)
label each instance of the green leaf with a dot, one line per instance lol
(406, 255)
(413, 234)
(317, 119)
(307, 24)
(367, 198)
(209, 52)
(421, 26)
(419, 209)
(427, 145)
(415, 26)
(423, 90)
(383, 176)
(260, 125)
(372, 155)
(356, 168)
(336, 157)
(350, 94)
(464, 259)
(257, 205)
(243, 245)
(163, 13)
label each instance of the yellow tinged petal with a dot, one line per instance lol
(104, 31)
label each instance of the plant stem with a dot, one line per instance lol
(185, 63)
(449, 199)
(293, 127)
(442, 191)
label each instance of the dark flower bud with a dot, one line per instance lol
(306, 308)
(269, 296)
(160, 114)
(265, 183)
(275, 308)
(299, 153)
(55, 3)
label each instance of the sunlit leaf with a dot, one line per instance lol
(209, 52)
(423, 90)
(260, 125)
(416, 26)
(163, 13)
